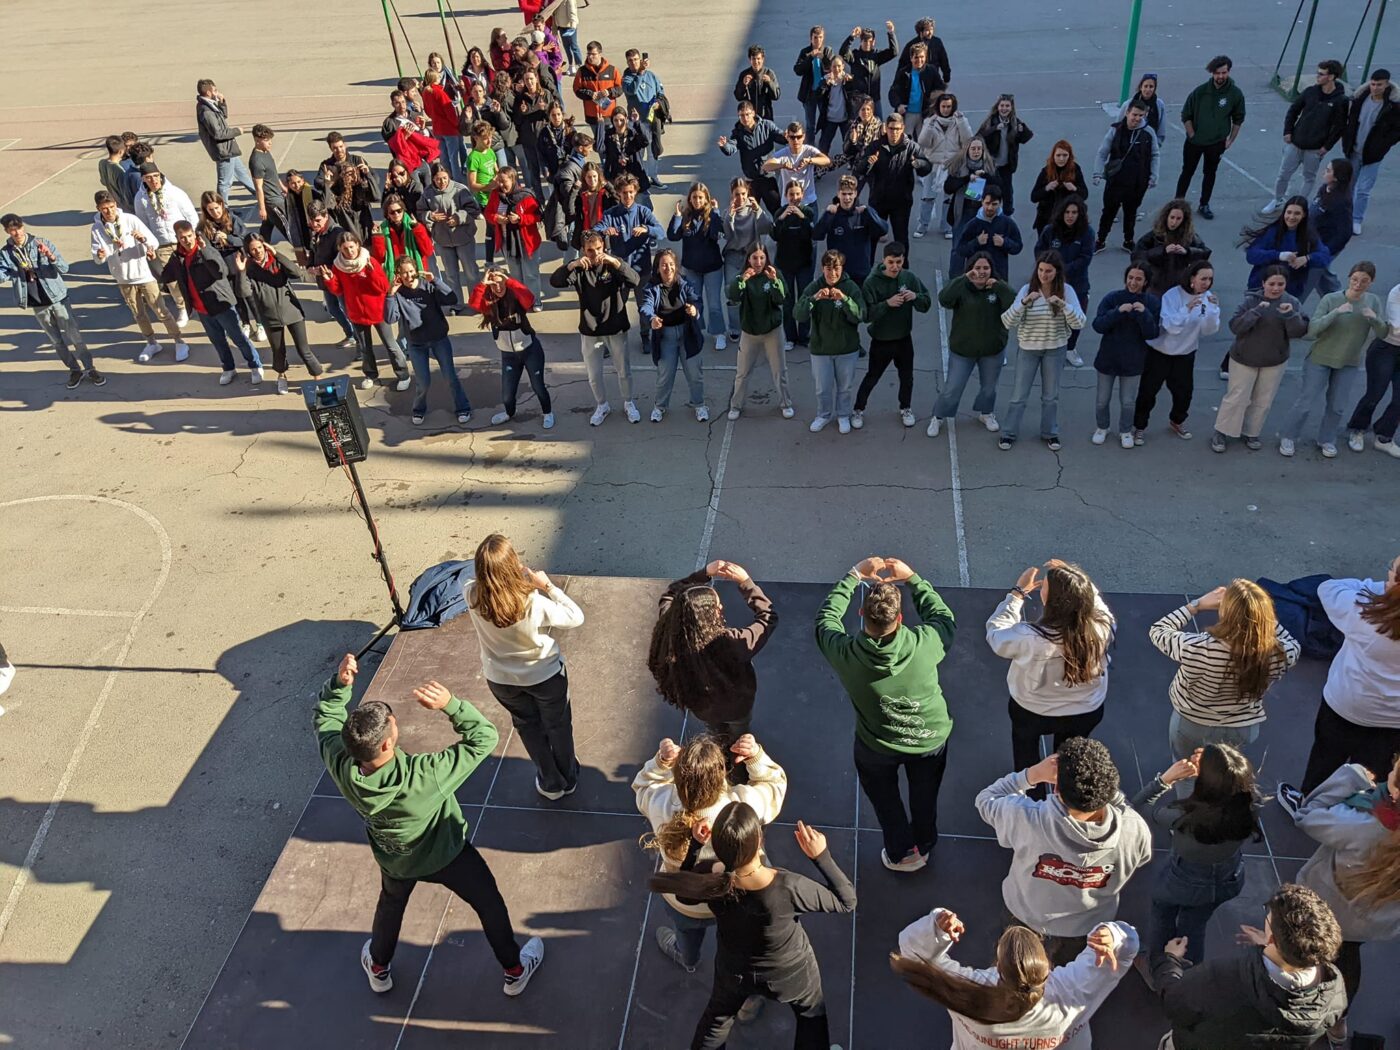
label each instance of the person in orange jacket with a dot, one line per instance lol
(514, 215)
(599, 83)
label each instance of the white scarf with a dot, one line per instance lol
(354, 265)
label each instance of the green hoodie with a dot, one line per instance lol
(892, 681)
(976, 330)
(835, 325)
(1341, 339)
(893, 322)
(760, 303)
(1211, 111)
(409, 805)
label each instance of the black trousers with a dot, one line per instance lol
(1061, 950)
(883, 353)
(1349, 963)
(469, 878)
(1191, 155)
(879, 779)
(1008, 192)
(1177, 371)
(1337, 741)
(1129, 198)
(544, 719)
(765, 188)
(277, 340)
(800, 988)
(529, 362)
(276, 219)
(897, 213)
(1027, 727)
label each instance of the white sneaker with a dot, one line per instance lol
(182, 317)
(658, 414)
(464, 418)
(227, 377)
(281, 384)
(1273, 205)
(1388, 447)
(1099, 436)
(365, 383)
(820, 423)
(500, 418)
(182, 351)
(857, 419)
(247, 332)
(599, 414)
(1329, 450)
(990, 422)
(1074, 359)
(721, 343)
(418, 420)
(1356, 229)
(256, 376)
(1126, 440)
(403, 384)
(531, 956)
(1285, 446)
(919, 231)
(552, 796)
(259, 335)
(934, 426)
(787, 346)
(633, 415)
(1356, 441)
(548, 421)
(148, 351)
(702, 414)
(378, 982)
(906, 416)
(947, 235)
(789, 411)
(912, 861)
(733, 414)
(843, 424)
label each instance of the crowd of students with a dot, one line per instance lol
(1076, 838)
(488, 160)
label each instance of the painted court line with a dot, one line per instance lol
(964, 574)
(81, 157)
(712, 511)
(1225, 159)
(49, 610)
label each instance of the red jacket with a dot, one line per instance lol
(421, 239)
(438, 105)
(523, 296)
(413, 148)
(589, 80)
(529, 211)
(530, 8)
(364, 292)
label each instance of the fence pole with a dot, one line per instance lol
(392, 42)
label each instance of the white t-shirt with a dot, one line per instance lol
(1363, 683)
(522, 654)
(805, 177)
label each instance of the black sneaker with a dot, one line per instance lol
(1289, 799)
(98, 379)
(75, 377)
(1100, 246)
(1005, 443)
(1204, 211)
(1253, 443)
(1053, 444)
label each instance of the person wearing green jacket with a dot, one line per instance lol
(890, 673)
(1341, 329)
(1212, 116)
(835, 308)
(891, 294)
(415, 827)
(976, 339)
(760, 292)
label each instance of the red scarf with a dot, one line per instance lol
(190, 289)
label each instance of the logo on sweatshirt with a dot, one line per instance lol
(905, 718)
(1056, 869)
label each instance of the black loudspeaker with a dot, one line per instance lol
(336, 419)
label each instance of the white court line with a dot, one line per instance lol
(49, 610)
(1225, 159)
(855, 885)
(8, 144)
(95, 715)
(82, 157)
(964, 575)
(712, 512)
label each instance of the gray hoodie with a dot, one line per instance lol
(457, 201)
(1066, 874)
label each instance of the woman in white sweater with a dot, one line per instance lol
(1190, 310)
(1058, 677)
(1044, 314)
(1020, 1001)
(511, 606)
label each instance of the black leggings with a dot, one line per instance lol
(276, 219)
(277, 340)
(801, 990)
(883, 353)
(530, 361)
(1338, 740)
(1027, 727)
(1177, 371)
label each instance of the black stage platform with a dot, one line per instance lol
(572, 871)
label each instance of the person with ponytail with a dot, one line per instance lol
(1217, 695)
(702, 665)
(1021, 1001)
(761, 946)
(1359, 717)
(511, 606)
(1058, 677)
(680, 792)
(1354, 816)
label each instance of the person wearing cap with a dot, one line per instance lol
(1373, 126)
(35, 268)
(160, 204)
(220, 141)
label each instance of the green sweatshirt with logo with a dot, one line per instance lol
(409, 805)
(835, 323)
(760, 303)
(893, 322)
(977, 330)
(892, 681)
(1211, 111)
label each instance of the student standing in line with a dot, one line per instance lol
(422, 305)
(159, 204)
(1329, 217)
(360, 281)
(835, 308)
(865, 62)
(754, 139)
(891, 294)
(989, 229)
(891, 171)
(632, 228)
(511, 606)
(1373, 127)
(798, 162)
(793, 234)
(669, 312)
(1058, 678)
(943, 137)
(760, 292)
(1044, 314)
(1060, 179)
(112, 174)
(969, 179)
(1005, 133)
(1212, 116)
(812, 65)
(1313, 124)
(1190, 310)
(414, 823)
(504, 305)
(1358, 719)
(1021, 1001)
(200, 272)
(1126, 319)
(1345, 322)
(761, 947)
(267, 185)
(1382, 371)
(835, 105)
(449, 210)
(976, 340)
(914, 87)
(699, 227)
(1264, 326)
(123, 242)
(34, 266)
(224, 231)
(1288, 241)
(746, 225)
(603, 284)
(219, 140)
(852, 229)
(275, 304)
(758, 85)
(1154, 109)
(514, 217)
(482, 165)
(890, 674)
(925, 33)
(1171, 246)
(1073, 852)
(1126, 163)
(1069, 233)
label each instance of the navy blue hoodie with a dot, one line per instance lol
(854, 233)
(700, 251)
(421, 310)
(1123, 348)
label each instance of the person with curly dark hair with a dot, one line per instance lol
(1073, 852)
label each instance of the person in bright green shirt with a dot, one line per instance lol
(414, 824)
(481, 176)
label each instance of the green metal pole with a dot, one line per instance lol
(1375, 35)
(1131, 54)
(392, 42)
(1294, 92)
(442, 16)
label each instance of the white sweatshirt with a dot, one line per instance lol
(1038, 326)
(1392, 316)
(1061, 1018)
(522, 654)
(177, 206)
(1363, 683)
(1182, 328)
(657, 800)
(1036, 676)
(126, 256)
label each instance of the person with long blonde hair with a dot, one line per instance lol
(1218, 693)
(511, 606)
(1022, 1000)
(1359, 717)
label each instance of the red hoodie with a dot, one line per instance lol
(529, 211)
(413, 148)
(523, 296)
(438, 105)
(364, 292)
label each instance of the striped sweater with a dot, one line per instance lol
(1204, 690)
(1038, 327)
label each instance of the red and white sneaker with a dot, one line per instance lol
(913, 861)
(380, 981)
(531, 956)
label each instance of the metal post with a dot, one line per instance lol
(442, 17)
(1131, 54)
(1303, 53)
(1375, 35)
(392, 42)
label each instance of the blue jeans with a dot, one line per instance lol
(220, 328)
(1048, 364)
(810, 113)
(529, 361)
(452, 156)
(1326, 391)
(711, 288)
(440, 351)
(670, 346)
(455, 261)
(794, 281)
(234, 169)
(1127, 401)
(336, 309)
(1382, 370)
(569, 38)
(835, 377)
(955, 382)
(1184, 897)
(690, 936)
(1365, 176)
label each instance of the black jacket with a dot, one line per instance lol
(1233, 1003)
(219, 140)
(602, 296)
(558, 212)
(1384, 134)
(899, 89)
(937, 56)
(1021, 134)
(321, 247)
(753, 144)
(891, 177)
(1315, 120)
(207, 272)
(803, 68)
(1167, 267)
(274, 301)
(622, 154)
(865, 66)
(1045, 200)
(762, 90)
